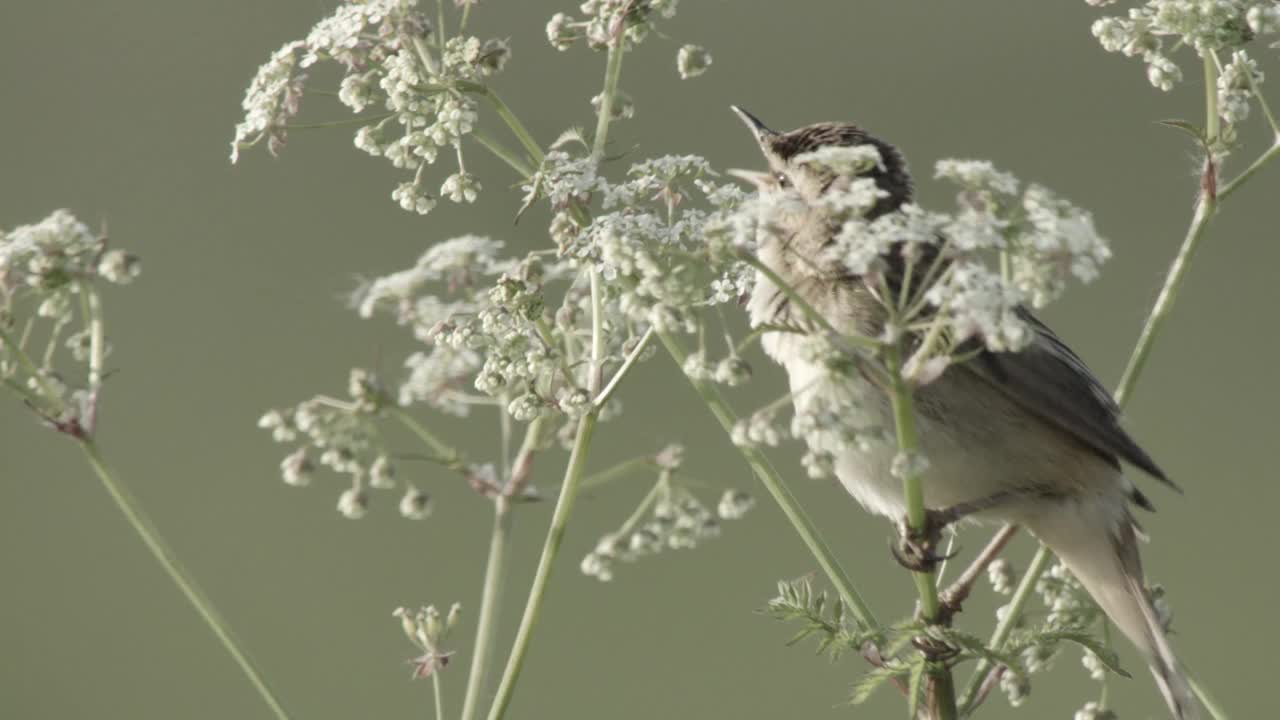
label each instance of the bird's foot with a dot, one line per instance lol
(916, 549)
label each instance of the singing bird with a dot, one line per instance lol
(1028, 437)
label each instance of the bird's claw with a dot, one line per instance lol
(916, 550)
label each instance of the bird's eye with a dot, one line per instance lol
(783, 180)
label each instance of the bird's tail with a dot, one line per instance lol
(1098, 542)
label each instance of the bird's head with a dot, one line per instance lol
(812, 181)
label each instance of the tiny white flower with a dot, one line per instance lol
(692, 61)
(415, 504)
(296, 469)
(353, 503)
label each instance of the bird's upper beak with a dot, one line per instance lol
(763, 135)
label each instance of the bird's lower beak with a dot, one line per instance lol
(761, 180)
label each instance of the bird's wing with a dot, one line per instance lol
(1052, 382)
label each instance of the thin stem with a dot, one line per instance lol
(546, 563)
(495, 574)
(97, 353)
(1211, 705)
(1211, 121)
(627, 362)
(132, 512)
(774, 483)
(1005, 627)
(503, 153)
(490, 599)
(438, 695)
(959, 590)
(637, 515)
(943, 701)
(1104, 691)
(438, 446)
(586, 425)
(47, 392)
(612, 73)
(607, 476)
(440, 29)
(1248, 172)
(1164, 302)
(513, 123)
(466, 14)
(348, 122)
(1262, 102)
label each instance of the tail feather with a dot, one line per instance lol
(1098, 542)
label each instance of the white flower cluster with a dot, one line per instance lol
(1238, 82)
(1204, 25)
(677, 520)
(47, 270)
(427, 630)
(603, 22)
(389, 57)
(1044, 240)
(343, 436)
(655, 246)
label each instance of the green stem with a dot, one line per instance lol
(1211, 121)
(1248, 172)
(513, 123)
(438, 446)
(436, 693)
(586, 425)
(46, 390)
(132, 512)
(1005, 627)
(612, 72)
(943, 703)
(503, 153)
(607, 476)
(495, 575)
(490, 599)
(1164, 302)
(627, 362)
(546, 563)
(1211, 705)
(629, 525)
(774, 483)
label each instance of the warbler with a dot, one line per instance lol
(1029, 437)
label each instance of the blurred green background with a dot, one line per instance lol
(122, 111)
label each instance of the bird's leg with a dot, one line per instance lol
(915, 549)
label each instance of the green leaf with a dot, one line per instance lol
(869, 683)
(975, 647)
(1188, 128)
(913, 689)
(1105, 654)
(572, 135)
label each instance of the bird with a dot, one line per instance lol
(1028, 437)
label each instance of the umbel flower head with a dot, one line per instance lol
(390, 59)
(51, 273)
(1155, 30)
